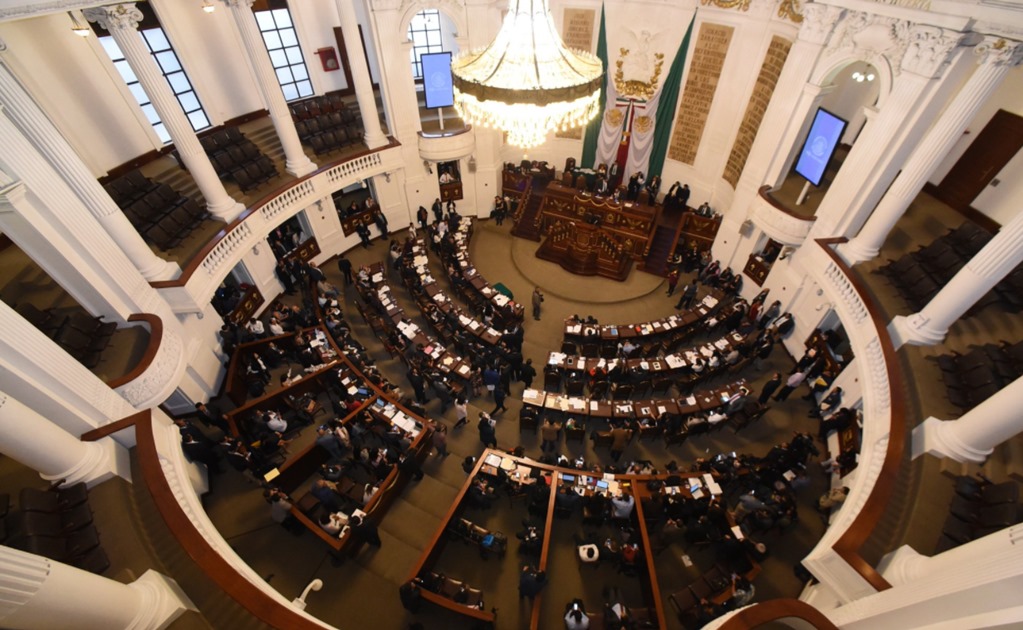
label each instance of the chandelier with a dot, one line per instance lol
(867, 75)
(526, 82)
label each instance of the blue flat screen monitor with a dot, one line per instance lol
(819, 146)
(437, 80)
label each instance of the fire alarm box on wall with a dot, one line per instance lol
(328, 59)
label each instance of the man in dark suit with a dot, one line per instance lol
(770, 387)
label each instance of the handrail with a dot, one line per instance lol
(765, 194)
(197, 260)
(247, 594)
(774, 610)
(848, 545)
(155, 339)
(534, 617)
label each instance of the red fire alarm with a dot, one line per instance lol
(328, 59)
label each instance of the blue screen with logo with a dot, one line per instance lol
(437, 80)
(825, 132)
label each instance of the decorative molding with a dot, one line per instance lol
(999, 51)
(818, 22)
(791, 10)
(742, 5)
(635, 89)
(872, 37)
(930, 50)
(239, 4)
(149, 389)
(118, 17)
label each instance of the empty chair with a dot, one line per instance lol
(34, 500)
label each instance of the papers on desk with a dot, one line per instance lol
(623, 409)
(644, 365)
(575, 329)
(690, 400)
(661, 409)
(645, 411)
(440, 298)
(474, 325)
(737, 532)
(674, 361)
(406, 423)
(789, 475)
(493, 332)
(721, 344)
(594, 405)
(687, 561)
(556, 358)
(377, 277)
(493, 460)
(575, 404)
(707, 351)
(464, 370)
(709, 301)
(712, 485)
(500, 299)
(420, 261)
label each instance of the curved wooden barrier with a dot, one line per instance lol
(155, 339)
(765, 194)
(777, 610)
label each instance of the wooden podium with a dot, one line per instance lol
(585, 249)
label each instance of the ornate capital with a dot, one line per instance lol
(818, 22)
(792, 10)
(116, 17)
(999, 51)
(930, 49)
(240, 4)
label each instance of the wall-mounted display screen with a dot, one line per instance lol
(437, 80)
(819, 145)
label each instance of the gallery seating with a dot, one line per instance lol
(326, 123)
(972, 378)
(237, 158)
(57, 524)
(163, 216)
(82, 336)
(978, 508)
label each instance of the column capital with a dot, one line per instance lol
(818, 22)
(117, 17)
(929, 49)
(998, 51)
(239, 4)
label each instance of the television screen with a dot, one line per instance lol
(820, 143)
(437, 80)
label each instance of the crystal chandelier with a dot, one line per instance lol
(526, 82)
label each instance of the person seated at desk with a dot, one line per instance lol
(622, 506)
(479, 495)
(531, 539)
(333, 522)
(575, 616)
(616, 614)
(446, 177)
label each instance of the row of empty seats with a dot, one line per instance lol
(979, 507)
(56, 524)
(326, 124)
(236, 157)
(82, 336)
(161, 214)
(455, 590)
(972, 378)
(473, 534)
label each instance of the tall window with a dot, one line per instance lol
(282, 43)
(424, 31)
(159, 46)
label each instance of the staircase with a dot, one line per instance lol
(216, 609)
(528, 225)
(663, 243)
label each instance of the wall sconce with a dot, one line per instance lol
(77, 28)
(387, 176)
(472, 163)
(255, 249)
(426, 165)
(208, 6)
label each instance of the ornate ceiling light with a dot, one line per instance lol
(526, 82)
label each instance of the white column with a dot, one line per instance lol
(296, 161)
(997, 56)
(975, 435)
(20, 108)
(374, 137)
(36, 592)
(872, 162)
(121, 21)
(1000, 256)
(34, 441)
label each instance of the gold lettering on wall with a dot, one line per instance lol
(774, 60)
(578, 33)
(704, 73)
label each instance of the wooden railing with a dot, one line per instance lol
(780, 222)
(155, 339)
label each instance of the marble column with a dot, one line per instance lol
(36, 442)
(36, 592)
(121, 21)
(34, 124)
(991, 264)
(374, 136)
(296, 161)
(975, 435)
(996, 56)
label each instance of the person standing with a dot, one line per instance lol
(486, 428)
(672, 281)
(792, 383)
(438, 210)
(619, 440)
(549, 433)
(537, 301)
(423, 217)
(461, 411)
(769, 388)
(499, 397)
(688, 296)
(345, 267)
(527, 373)
(440, 439)
(365, 530)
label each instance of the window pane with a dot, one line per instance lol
(288, 37)
(198, 120)
(278, 58)
(419, 39)
(156, 39)
(178, 82)
(189, 102)
(418, 22)
(138, 93)
(299, 71)
(290, 92)
(282, 17)
(151, 114)
(432, 21)
(272, 39)
(284, 75)
(265, 20)
(433, 38)
(305, 88)
(125, 71)
(161, 132)
(168, 61)
(294, 55)
(109, 45)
